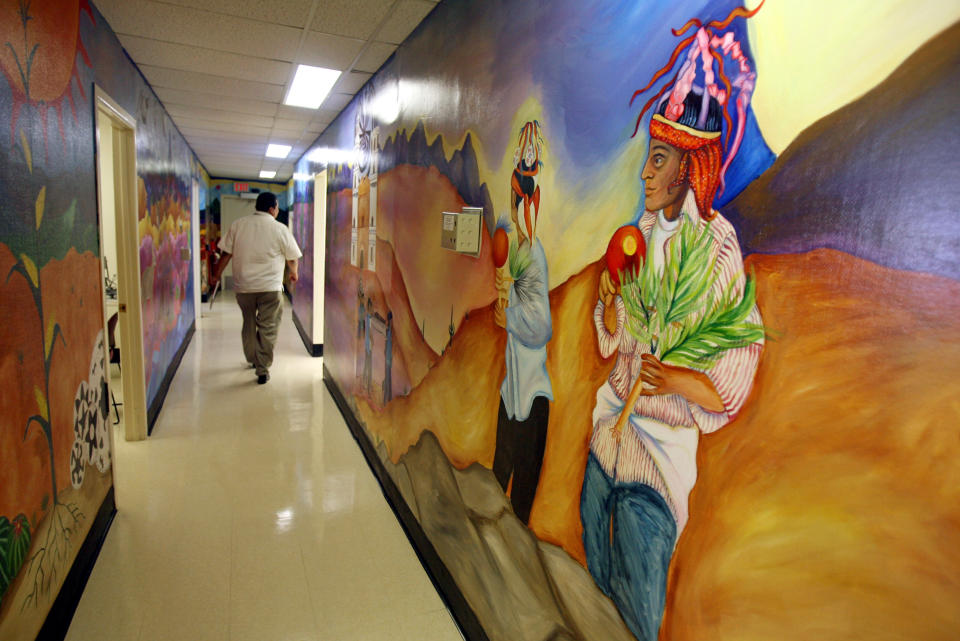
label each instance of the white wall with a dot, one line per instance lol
(233, 208)
(108, 209)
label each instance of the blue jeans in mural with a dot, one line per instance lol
(628, 535)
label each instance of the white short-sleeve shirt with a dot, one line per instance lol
(260, 246)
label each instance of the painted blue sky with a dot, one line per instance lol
(587, 58)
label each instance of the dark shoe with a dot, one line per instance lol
(263, 378)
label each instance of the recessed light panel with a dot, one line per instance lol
(267, 174)
(278, 151)
(310, 86)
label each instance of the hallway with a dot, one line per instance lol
(251, 514)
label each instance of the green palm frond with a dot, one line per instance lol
(694, 277)
(679, 314)
(518, 260)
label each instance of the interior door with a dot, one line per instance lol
(233, 208)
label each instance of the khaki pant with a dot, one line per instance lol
(261, 320)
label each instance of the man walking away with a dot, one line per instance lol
(260, 245)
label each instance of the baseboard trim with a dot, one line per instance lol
(439, 574)
(314, 349)
(161, 396)
(57, 623)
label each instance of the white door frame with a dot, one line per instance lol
(319, 252)
(195, 247)
(130, 325)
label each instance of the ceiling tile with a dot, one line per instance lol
(374, 56)
(221, 66)
(352, 82)
(216, 85)
(288, 133)
(211, 101)
(192, 133)
(295, 113)
(236, 159)
(217, 125)
(287, 12)
(403, 20)
(332, 52)
(176, 56)
(289, 125)
(336, 102)
(327, 115)
(352, 18)
(219, 115)
(188, 26)
(244, 173)
(230, 161)
(213, 146)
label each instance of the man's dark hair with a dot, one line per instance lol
(266, 201)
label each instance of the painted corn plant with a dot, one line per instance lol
(51, 554)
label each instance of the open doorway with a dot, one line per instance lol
(119, 242)
(232, 209)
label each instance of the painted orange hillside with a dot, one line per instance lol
(408, 251)
(386, 288)
(417, 355)
(439, 279)
(833, 499)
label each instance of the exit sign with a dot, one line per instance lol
(241, 187)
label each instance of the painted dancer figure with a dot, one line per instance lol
(368, 348)
(388, 359)
(524, 311)
(650, 413)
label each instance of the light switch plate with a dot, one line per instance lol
(460, 231)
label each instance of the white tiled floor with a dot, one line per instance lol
(250, 514)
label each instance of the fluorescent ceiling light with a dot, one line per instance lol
(278, 151)
(267, 174)
(310, 86)
(328, 155)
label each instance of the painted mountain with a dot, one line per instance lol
(461, 169)
(408, 246)
(860, 180)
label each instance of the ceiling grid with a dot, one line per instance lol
(222, 67)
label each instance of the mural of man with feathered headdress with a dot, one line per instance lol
(523, 310)
(687, 333)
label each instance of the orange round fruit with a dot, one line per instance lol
(625, 252)
(501, 247)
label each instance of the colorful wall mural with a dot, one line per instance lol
(302, 226)
(694, 211)
(54, 433)
(166, 167)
